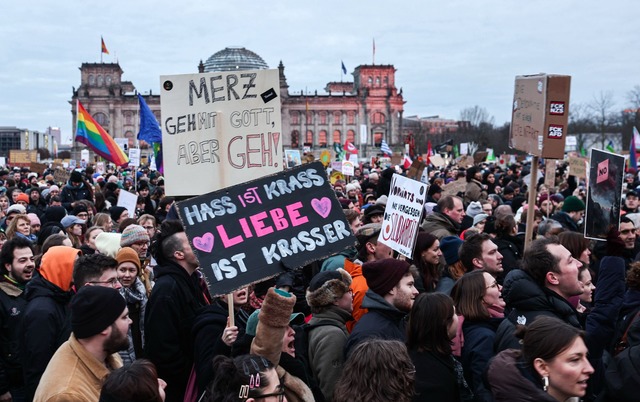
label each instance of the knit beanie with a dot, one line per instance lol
(22, 197)
(450, 247)
(479, 218)
(16, 209)
(474, 208)
(573, 204)
(79, 208)
(127, 254)
(34, 219)
(76, 177)
(115, 212)
(94, 309)
(108, 243)
(327, 287)
(133, 234)
(384, 275)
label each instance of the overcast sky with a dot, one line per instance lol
(449, 54)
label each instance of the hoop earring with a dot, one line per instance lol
(545, 383)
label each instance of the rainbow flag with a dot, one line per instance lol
(89, 132)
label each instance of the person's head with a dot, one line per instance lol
(631, 200)
(473, 173)
(56, 239)
(247, 378)
(556, 351)
(586, 277)
(288, 338)
(148, 222)
(91, 234)
(73, 225)
(103, 220)
(35, 223)
(426, 250)
(369, 248)
(452, 207)
(172, 244)
(136, 237)
(363, 380)
(505, 225)
(353, 217)
(373, 214)
(574, 207)
(118, 214)
(95, 270)
(55, 201)
(546, 206)
(433, 323)
(474, 293)
(54, 191)
(552, 266)
(128, 266)
(549, 228)
(22, 199)
(17, 260)
(76, 179)
(19, 224)
(480, 252)
(577, 245)
(627, 232)
(479, 221)
(100, 316)
(4, 202)
(34, 195)
(137, 381)
(486, 207)
(393, 280)
(81, 211)
(330, 288)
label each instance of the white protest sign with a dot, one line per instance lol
(363, 133)
(100, 167)
(128, 200)
(464, 148)
(134, 157)
(403, 214)
(347, 168)
(223, 128)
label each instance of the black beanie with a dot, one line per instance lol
(115, 212)
(95, 308)
(384, 275)
(76, 177)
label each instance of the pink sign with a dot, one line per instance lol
(603, 171)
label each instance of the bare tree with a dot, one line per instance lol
(633, 97)
(581, 122)
(601, 106)
(476, 115)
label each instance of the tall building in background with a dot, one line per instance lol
(364, 111)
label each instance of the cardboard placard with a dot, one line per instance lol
(38, 167)
(480, 156)
(416, 169)
(403, 214)
(466, 161)
(227, 124)
(550, 173)
(436, 160)
(256, 230)
(540, 114)
(61, 175)
(604, 194)
(578, 167)
(454, 187)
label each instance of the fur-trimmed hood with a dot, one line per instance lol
(326, 287)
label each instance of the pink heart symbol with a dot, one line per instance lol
(322, 206)
(204, 243)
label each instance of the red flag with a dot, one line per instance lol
(350, 148)
(429, 152)
(104, 47)
(407, 162)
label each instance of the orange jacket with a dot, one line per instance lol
(359, 287)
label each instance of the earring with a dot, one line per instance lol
(545, 383)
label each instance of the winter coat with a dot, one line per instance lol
(12, 306)
(479, 337)
(566, 221)
(474, 192)
(175, 301)
(511, 381)
(382, 321)
(208, 327)
(525, 301)
(359, 288)
(326, 348)
(337, 261)
(512, 249)
(136, 298)
(74, 375)
(46, 325)
(273, 321)
(71, 194)
(440, 225)
(436, 379)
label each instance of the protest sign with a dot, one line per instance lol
(227, 124)
(480, 156)
(60, 175)
(403, 214)
(604, 195)
(416, 169)
(256, 230)
(578, 167)
(454, 187)
(134, 157)
(550, 173)
(293, 157)
(100, 167)
(38, 167)
(466, 161)
(436, 160)
(347, 168)
(128, 200)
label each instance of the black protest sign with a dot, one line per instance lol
(604, 195)
(256, 230)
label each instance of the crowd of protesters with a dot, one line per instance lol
(100, 305)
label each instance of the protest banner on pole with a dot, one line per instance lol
(403, 214)
(222, 128)
(256, 230)
(604, 195)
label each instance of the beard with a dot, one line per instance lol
(116, 342)
(403, 302)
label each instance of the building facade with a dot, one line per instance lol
(14, 138)
(364, 111)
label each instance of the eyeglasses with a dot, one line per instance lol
(113, 282)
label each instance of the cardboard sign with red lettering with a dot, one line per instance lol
(256, 230)
(219, 129)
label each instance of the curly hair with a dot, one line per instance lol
(363, 380)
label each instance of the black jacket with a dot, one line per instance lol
(46, 325)
(566, 221)
(512, 381)
(71, 194)
(479, 337)
(436, 379)
(526, 300)
(382, 321)
(12, 305)
(175, 301)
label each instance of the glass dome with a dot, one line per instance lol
(234, 58)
